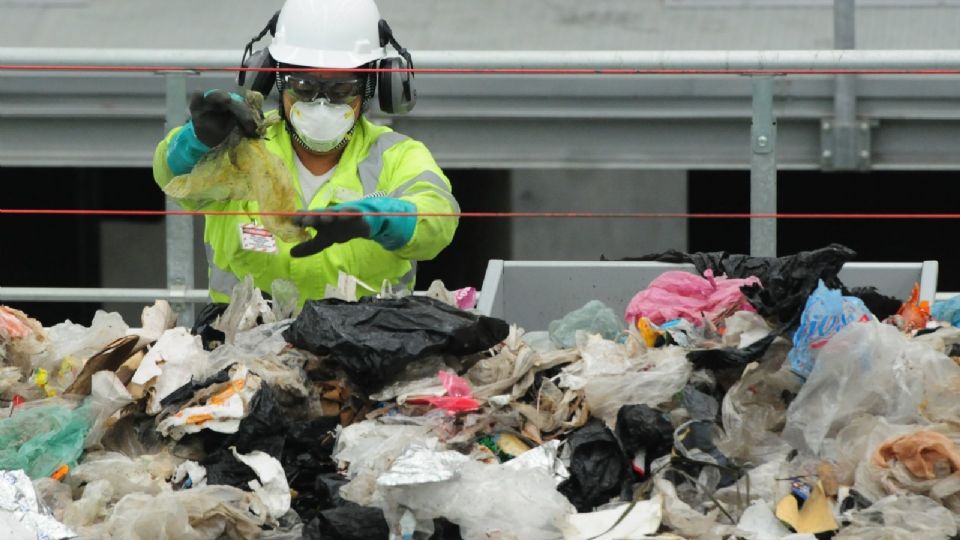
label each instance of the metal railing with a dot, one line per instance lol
(763, 67)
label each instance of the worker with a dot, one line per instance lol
(339, 160)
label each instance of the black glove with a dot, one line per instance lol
(216, 113)
(330, 230)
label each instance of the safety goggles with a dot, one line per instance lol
(307, 87)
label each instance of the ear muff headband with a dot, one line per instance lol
(396, 91)
(260, 81)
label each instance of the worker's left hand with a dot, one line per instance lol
(392, 232)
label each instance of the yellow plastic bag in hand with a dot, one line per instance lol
(241, 168)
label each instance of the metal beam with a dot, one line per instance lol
(180, 265)
(763, 170)
(844, 141)
(713, 60)
(80, 294)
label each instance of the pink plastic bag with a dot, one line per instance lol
(682, 295)
(459, 396)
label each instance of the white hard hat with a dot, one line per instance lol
(328, 33)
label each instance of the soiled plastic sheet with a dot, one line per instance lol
(486, 501)
(171, 363)
(623, 522)
(242, 168)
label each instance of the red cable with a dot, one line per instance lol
(548, 215)
(500, 71)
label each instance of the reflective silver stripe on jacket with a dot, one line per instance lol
(221, 281)
(429, 177)
(370, 168)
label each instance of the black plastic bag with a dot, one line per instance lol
(203, 327)
(264, 429)
(348, 522)
(786, 281)
(598, 467)
(374, 339)
(640, 427)
(731, 357)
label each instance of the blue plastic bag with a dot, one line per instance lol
(826, 312)
(947, 310)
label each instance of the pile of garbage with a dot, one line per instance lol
(757, 399)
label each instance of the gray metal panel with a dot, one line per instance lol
(581, 122)
(533, 293)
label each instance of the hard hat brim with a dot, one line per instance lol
(300, 56)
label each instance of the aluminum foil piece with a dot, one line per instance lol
(21, 512)
(421, 465)
(545, 457)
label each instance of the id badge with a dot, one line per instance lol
(255, 237)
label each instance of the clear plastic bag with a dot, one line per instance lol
(906, 517)
(486, 501)
(241, 168)
(867, 368)
(652, 379)
(594, 318)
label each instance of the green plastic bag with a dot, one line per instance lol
(43, 436)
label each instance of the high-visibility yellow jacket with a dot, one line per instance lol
(377, 161)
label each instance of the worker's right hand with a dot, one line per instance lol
(217, 112)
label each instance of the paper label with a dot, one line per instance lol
(255, 237)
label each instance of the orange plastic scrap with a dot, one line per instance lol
(233, 389)
(926, 454)
(199, 418)
(60, 472)
(915, 314)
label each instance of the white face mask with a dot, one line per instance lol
(321, 125)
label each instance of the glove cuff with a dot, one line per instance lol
(185, 150)
(391, 232)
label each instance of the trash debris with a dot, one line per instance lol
(374, 339)
(787, 412)
(21, 515)
(914, 314)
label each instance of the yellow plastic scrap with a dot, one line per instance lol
(648, 332)
(241, 168)
(815, 516)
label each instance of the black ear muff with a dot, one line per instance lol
(259, 81)
(395, 88)
(396, 92)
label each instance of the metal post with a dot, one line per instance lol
(763, 169)
(847, 154)
(179, 228)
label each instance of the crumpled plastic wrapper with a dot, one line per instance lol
(21, 515)
(241, 168)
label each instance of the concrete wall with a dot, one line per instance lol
(596, 191)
